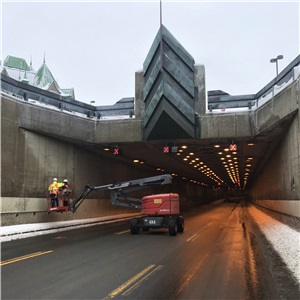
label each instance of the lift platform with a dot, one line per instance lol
(158, 211)
(63, 201)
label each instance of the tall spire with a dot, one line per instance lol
(160, 13)
(44, 58)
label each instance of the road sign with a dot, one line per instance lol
(233, 147)
(117, 151)
(166, 149)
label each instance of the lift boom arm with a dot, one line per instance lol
(119, 190)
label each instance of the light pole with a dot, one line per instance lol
(275, 60)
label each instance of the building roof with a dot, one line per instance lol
(18, 69)
(16, 63)
(43, 76)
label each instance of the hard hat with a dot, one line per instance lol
(54, 179)
(65, 180)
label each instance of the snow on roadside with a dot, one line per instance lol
(15, 232)
(284, 239)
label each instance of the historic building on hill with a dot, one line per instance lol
(18, 69)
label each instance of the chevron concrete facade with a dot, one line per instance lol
(169, 90)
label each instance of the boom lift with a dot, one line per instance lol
(158, 211)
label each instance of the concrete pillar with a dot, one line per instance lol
(200, 97)
(139, 105)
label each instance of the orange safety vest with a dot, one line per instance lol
(53, 187)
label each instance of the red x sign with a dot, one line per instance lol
(116, 151)
(166, 149)
(232, 147)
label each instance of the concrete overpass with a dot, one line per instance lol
(46, 136)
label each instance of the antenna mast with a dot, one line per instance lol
(160, 11)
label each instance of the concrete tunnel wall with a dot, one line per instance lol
(277, 187)
(30, 161)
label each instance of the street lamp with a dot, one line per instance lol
(275, 60)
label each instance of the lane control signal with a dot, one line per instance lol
(170, 149)
(117, 151)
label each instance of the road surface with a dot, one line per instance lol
(220, 255)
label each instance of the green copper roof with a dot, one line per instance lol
(16, 63)
(43, 76)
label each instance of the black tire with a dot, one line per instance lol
(172, 227)
(134, 226)
(180, 224)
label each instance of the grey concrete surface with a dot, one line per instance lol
(39, 143)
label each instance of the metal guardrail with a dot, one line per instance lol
(29, 93)
(216, 103)
(226, 103)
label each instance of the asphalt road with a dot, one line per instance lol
(217, 257)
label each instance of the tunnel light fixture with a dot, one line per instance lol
(250, 144)
(184, 147)
(217, 146)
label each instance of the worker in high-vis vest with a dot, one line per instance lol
(53, 191)
(66, 191)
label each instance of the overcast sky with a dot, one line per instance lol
(96, 47)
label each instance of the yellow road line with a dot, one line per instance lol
(121, 232)
(132, 280)
(193, 237)
(137, 284)
(13, 260)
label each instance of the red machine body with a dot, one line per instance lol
(160, 204)
(158, 211)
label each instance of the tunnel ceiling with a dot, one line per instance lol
(206, 162)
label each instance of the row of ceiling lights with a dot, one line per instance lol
(228, 158)
(198, 164)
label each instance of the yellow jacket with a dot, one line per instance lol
(54, 186)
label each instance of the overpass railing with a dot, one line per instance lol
(124, 108)
(225, 103)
